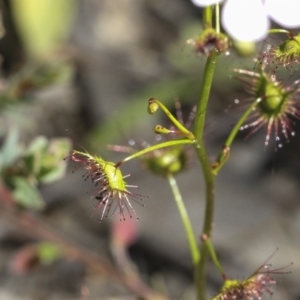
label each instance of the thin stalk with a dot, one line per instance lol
(155, 147)
(277, 30)
(194, 249)
(224, 154)
(214, 257)
(206, 168)
(180, 126)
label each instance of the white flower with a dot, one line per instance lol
(284, 12)
(245, 20)
(203, 3)
(248, 20)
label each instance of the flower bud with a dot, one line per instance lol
(159, 129)
(277, 104)
(285, 54)
(152, 106)
(208, 41)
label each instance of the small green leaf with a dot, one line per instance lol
(36, 145)
(27, 195)
(34, 153)
(48, 252)
(53, 174)
(53, 166)
(11, 149)
(44, 158)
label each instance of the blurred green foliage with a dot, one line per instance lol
(2, 29)
(23, 168)
(43, 25)
(31, 77)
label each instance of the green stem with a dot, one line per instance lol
(204, 95)
(217, 17)
(195, 254)
(180, 126)
(276, 30)
(224, 154)
(207, 17)
(214, 257)
(208, 218)
(206, 168)
(155, 147)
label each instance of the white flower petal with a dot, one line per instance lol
(245, 20)
(204, 3)
(285, 12)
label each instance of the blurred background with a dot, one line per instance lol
(79, 74)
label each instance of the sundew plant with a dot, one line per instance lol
(272, 104)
